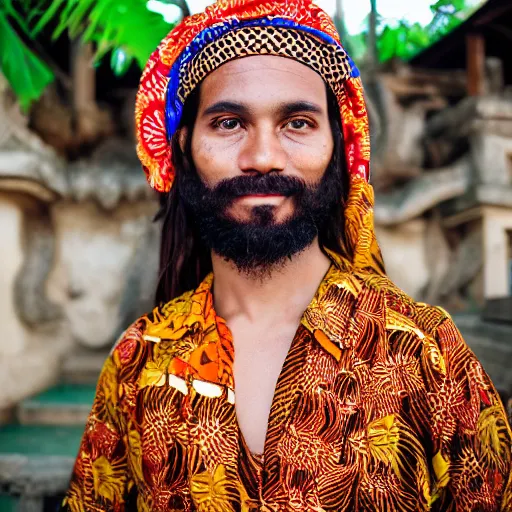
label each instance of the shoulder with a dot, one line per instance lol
(439, 343)
(412, 327)
(135, 343)
(368, 312)
(452, 376)
(397, 306)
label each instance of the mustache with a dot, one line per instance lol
(271, 183)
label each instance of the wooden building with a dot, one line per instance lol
(486, 34)
(481, 45)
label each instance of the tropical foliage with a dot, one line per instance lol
(25, 71)
(408, 39)
(129, 31)
(126, 28)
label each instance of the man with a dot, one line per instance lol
(295, 376)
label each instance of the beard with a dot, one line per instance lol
(260, 244)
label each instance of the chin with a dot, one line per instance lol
(262, 215)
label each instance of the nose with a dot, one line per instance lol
(262, 151)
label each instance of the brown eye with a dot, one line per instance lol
(298, 124)
(229, 124)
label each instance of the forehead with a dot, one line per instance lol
(263, 78)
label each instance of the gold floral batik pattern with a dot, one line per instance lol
(380, 406)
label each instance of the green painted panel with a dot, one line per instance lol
(8, 503)
(40, 440)
(64, 394)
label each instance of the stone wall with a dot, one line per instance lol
(101, 277)
(105, 267)
(79, 252)
(29, 358)
(497, 255)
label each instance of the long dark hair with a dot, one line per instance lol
(184, 260)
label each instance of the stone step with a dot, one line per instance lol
(498, 310)
(35, 465)
(64, 404)
(17, 503)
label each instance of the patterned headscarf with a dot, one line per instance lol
(232, 29)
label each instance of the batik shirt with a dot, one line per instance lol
(380, 406)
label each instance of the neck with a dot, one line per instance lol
(281, 295)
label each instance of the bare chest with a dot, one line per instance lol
(259, 359)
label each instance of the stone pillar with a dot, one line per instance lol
(497, 229)
(13, 335)
(28, 356)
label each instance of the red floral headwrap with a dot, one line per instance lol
(191, 51)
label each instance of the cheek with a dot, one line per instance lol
(312, 160)
(203, 155)
(212, 161)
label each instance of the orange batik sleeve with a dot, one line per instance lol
(101, 477)
(472, 463)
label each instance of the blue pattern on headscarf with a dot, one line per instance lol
(173, 105)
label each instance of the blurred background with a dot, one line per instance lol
(79, 250)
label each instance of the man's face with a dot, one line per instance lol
(261, 115)
(262, 185)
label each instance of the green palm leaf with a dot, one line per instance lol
(49, 14)
(125, 27)
(111, 24)
(26, 73)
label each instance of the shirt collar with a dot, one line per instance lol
(205, 350)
